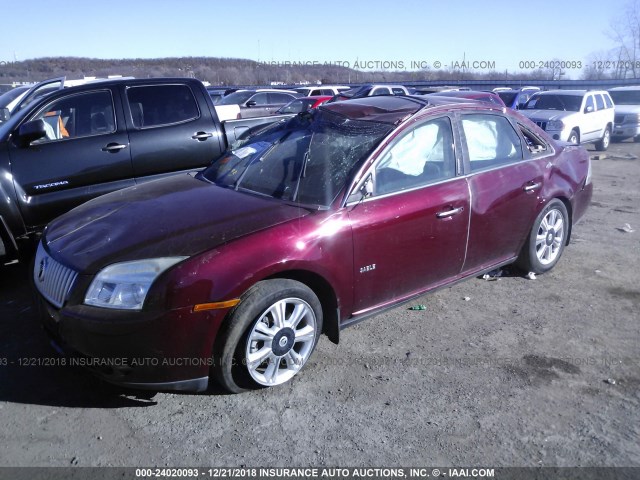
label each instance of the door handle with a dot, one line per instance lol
(531, 186)
(449, 213)
(201, 136)
(113, 147)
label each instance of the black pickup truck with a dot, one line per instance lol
(76, 143)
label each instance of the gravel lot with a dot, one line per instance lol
(540, 372)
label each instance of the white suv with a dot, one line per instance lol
(574, 116)
(322, 90)
(627, 119)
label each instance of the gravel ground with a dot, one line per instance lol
(510, 372)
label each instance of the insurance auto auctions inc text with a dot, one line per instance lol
(387, 64)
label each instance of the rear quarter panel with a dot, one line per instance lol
(567, 179)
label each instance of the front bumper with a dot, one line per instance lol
(626, 130)
(559, 135)
(169, 350)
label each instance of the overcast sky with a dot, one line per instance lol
(504, 32)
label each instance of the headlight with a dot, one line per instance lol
(125, 285)
(555, 125)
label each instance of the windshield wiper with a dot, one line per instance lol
(303, 167)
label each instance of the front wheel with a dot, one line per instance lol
(547, 239)
(603, 143)
(574, 137)
(269, 336)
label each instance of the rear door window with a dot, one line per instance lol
(491, 141)
(608, 101)
(599, 102)
(280, 98)
(156, 105)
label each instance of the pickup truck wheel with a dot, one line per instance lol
(574, 137)
(547, 239)
(603, 143)
(270, 336)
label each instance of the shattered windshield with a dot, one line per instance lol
(306, 160)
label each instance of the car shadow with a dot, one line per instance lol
(31, 371)
(508, 271)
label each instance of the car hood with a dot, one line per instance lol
(546, 115)
(177, 216)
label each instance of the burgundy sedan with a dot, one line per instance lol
(312, 225)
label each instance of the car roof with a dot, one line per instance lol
(626, 88)
(313, 87)
(129, 81)
(270, 90)
(462, 93)
(577, 93)
(383, 108)
(313, 97)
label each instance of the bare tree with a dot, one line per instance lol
(599, 66)
(625, 31)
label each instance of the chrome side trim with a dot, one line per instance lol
(192, 385)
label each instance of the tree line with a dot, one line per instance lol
(236, 71)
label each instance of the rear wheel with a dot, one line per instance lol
(269, 337)
(603, 143)
(546, 240)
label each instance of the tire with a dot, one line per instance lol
(574, 137)
(547, 239)
(636, 138)
(269, 336)
(603, 143)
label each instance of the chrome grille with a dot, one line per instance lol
(52, 279)
(542, 125)
(618, 119)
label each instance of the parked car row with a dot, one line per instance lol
(593, 121)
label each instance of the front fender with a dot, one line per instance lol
(320, 245)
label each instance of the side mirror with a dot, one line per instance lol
(588, 109)
(365, 191)
(5, 114)
(251, 103)
(31, 131)
(367, 187)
